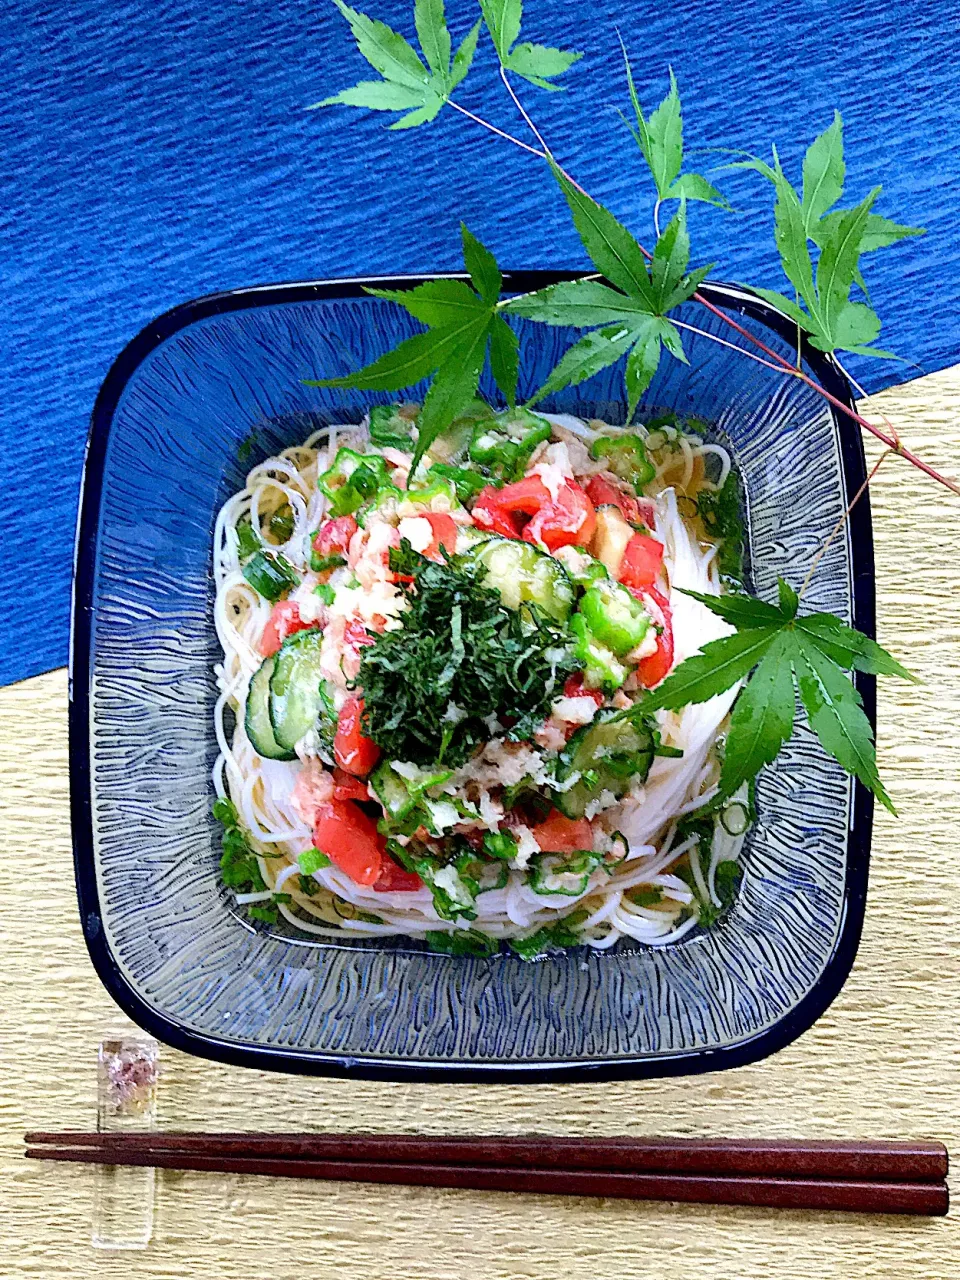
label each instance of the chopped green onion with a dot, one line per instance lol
(646, 897)
(320, 564)
(551, 937)
(282, 523)
(248, 543)
(312, 860)
(270, 575)
(735, 818)
(461, 942)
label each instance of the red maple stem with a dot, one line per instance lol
(892, 442)
(786, 366)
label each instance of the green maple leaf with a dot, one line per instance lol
(539, 64)
(809, 654)
(660, 139)
(632, 315)
(407, 85)
(462, 322)
(831, 317)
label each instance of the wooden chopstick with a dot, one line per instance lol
(850, 1195)
(741, 1157)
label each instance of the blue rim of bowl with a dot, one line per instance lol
(799, 1019)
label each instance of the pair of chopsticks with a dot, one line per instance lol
(860, 1177)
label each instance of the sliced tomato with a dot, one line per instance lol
(444, 535)
(350, 839)
(574, 688)
(333, 536)
(284, 620)
(560, 834)
(352, 751)
(488, 514)
(347, 787)
(555, 522)
(396, 879)
(642, 561)
(602, 492)
(526, 496)
(653, 669)
(569, 521)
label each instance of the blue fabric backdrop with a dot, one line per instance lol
(152, 153)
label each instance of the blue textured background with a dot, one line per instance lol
(151, 153)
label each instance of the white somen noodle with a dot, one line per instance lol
(648, 815)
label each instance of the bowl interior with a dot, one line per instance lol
(180, 420)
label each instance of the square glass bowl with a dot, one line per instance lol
(167, 447)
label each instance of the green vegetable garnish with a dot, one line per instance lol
(643, 897)
(499, 844)
(466, 482)
(282, 523)
(551, 937)
(720, 512)
(391, 428)
(457, 645)
(504, 444)
(239, 868)
(270, 575)
(602, 669)
(312, 860)
(626, 457)
(461, 942)
(248, 541)
(353, 479)
(614, 617)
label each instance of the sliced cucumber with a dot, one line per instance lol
(257, 720)
(608, 754)
(469, 536)
(523, 574)
(296, 692)
(392, 791)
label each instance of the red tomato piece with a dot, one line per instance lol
(527, 496)
(333, 536)
(574, 688)
(351, 840)
(284, 620)
(560, 834)
(653, 669)
(642, 561)
(396, 879)
(567, 520)
(352, 751)
(570, 521)
(602, 492)
(488, 514)
(347, 787)
(444, 535)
